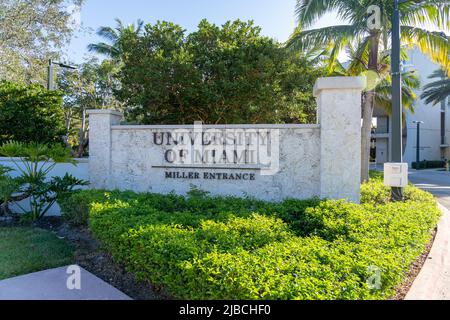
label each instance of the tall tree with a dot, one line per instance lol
(31, 32)
(217, 74)
(113, 48)
(90, 87)
(438, 90)
(373, 36)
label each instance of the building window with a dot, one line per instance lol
(382, 125)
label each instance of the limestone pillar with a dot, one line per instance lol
(100, 122)
(339, 116)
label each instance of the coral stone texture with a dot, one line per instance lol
(273, 162)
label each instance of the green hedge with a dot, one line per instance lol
(202, 247)
(30, 114)
(429, 165)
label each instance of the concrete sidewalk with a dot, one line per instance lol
(52, 285)
(433, 281)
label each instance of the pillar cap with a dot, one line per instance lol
(336, 83)
(105, 112)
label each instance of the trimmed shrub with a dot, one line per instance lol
(376, 192)
(30, 114)
(203, 247)
(429, 164)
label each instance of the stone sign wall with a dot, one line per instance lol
(270, 162)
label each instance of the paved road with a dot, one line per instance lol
(435, 182)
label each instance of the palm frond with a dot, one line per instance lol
(383, 92)
(437, 91)
(438, 74)
(359, 57)
(309, 11)
(427, 13)
(434, 44)
(119, 23)
(113, 37)
(104, 49)
(333, 38)
(108, 33)
(139, 26)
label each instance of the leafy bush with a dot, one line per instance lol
(376, 192)
(428, 164)
(259, 79)
(30, 114)
(33, 162)
(8, 186)
(203, 247)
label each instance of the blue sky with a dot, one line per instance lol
(275, 17)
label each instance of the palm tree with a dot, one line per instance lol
(439, 90)
(380, 82)
(372, 40)
(113, 36)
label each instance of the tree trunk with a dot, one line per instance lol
(83, 136)
(68, 120)
(368, 105)
(366, 133)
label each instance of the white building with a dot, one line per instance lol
(434, 132)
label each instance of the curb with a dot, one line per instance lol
(433, 281)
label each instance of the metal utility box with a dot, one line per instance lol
(396, 175)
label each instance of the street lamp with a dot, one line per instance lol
(397, 109)
(51, 66)
(418, 142)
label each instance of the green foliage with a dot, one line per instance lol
(8, 186)
(438, 90)
(30, 114)
(376, 175)
(228, 74)
(333, 40)
(376, 193)
(35, 163)
(203, 247)
(91, 86)
(369, 47)
(428, 165)
(114, 36)
(32, 32)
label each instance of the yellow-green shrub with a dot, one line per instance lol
(203, 247)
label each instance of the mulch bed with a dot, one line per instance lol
(90, 256)
(414, 271)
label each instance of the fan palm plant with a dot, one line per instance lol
(113, 36)
(437, 91)
(372, 39)
(35, 163)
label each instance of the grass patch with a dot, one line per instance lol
(376, 175)
(27, 250)
(203, 247)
